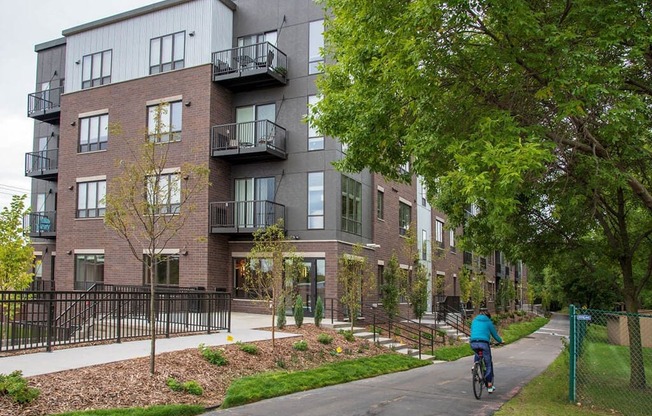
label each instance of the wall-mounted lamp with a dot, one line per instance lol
(191, 34)
(78, 61)
(186, 177)
(187, 103)
(184, 253)
(69, 252)
(71, 187)
(294, 237)
(73, 123)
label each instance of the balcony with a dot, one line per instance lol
(45, 105)
(244, 217)
(41, 224)
(43, 164)
(250, 141)
(248, 67)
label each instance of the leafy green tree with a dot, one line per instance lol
(537, 112)
(465, 285)
(16, 253)
(147, 207)
(390, 290)
(272, 267)
(298, 312)
(477, 290)
(356, 278)
(418, 292)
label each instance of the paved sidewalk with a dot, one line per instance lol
(243, 328)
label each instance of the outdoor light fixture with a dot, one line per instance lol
(73, 123)
(69, 252)
(191, 34)
(187, 103)
(184, 253)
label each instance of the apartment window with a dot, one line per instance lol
(424, 245)
(90, 199)
(164, 193)
(380, 204)
(254, 202)
(451, 240)
(255, 124)
(424, 194)
(439, 233)
(96, 69)
(89, 270)
(315, 45)
(315, 139)
(166, 269)
(351, 206)
(380, 281)
(404, 217)
(167, 52)
(315, 200)
(93, 133)
(38, 268)
(164, 122)
(240, 266)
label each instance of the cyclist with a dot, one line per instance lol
(482, 329)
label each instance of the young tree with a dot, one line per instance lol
(272, 267)
(537, 112)
(147, 204)
(356, 278)
(16, 253)
(390, 290)
(418, 292)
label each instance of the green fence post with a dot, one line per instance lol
(573, 356)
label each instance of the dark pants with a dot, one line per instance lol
(486, 354)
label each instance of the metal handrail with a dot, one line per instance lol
(247, 135)
(250, 58)
(246, 214)
(42, 160)
(42, 101)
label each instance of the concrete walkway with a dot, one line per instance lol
(243, 328)
(439, 389)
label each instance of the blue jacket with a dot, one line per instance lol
(482, 329)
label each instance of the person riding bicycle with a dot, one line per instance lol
(482, 329)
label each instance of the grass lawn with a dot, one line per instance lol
(171, 410)
(274, 384)
(510, 334)
(602, 384)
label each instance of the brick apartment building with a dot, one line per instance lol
(236, 78)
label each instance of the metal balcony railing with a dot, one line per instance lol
(41, 224)
(43, 164)
(251, 66)
(244, 216)
(251, 138)
(45, 105)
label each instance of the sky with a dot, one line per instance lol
(23, 24)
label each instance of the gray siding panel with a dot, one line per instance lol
(210, 21)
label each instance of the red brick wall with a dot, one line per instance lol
(126, 102)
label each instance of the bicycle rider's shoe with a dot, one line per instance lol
(490, 389)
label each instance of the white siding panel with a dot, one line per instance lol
(129, 40)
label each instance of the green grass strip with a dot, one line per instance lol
(165, 410)
(510, 334)
(267, 385)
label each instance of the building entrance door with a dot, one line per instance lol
(311, 284)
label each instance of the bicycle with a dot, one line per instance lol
(478, 371)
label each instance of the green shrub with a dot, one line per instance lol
(248, 348)
(15, 386)
(347, 334)
(213, 355)
(325, 339)
(280, 315)
(300, 345)
(280, 363)
(191, 386)
(298, 312)
(426, 335)
(319, 311)
(397, 331)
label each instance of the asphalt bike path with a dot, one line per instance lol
(438, 389)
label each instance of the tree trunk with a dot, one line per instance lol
(637, 365)
(152, 317)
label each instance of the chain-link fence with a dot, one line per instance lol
(611, 360)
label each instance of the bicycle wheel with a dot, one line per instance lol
(478, 380)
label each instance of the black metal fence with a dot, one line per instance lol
(44, 319)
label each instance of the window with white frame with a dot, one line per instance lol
(315, 200)
(439, 233)
(380, 204)
(91, 199)
(167, 52)
(315, 138)
(93, 133)
(96, 69)
(166, 269)
(424, 245)
(164, 193)
(164, 122)
(451, 240)
(315, 45)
